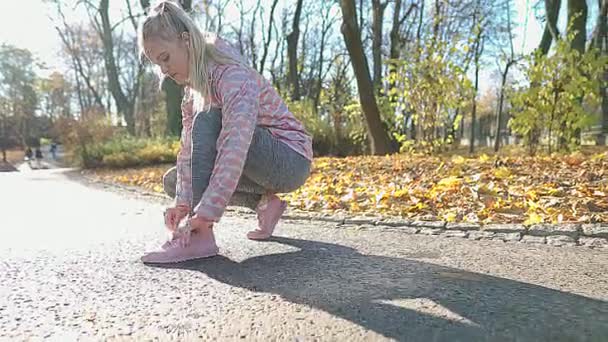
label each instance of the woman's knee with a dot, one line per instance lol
(170, 182)
(297, 179)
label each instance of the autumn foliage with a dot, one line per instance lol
(517, 189)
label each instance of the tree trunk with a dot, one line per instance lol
(500, 106)
(395, 44)
(601, 44)
(604, 94)
(577, 13)
(292, 53)
(377, 20)
(577, 16)
(379, 140)
(269, 38)
(123, 104)
(550, 33)
(326, 26)
(173, 105)
(3, 137)
(252, 39)
(510, 61)
(360, 15)
(394, 51)
(478, 51)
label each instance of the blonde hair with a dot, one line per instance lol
(168, 21)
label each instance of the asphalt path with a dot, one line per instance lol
(70, 270)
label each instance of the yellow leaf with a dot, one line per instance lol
(484, 158)
(450, 182)
(502, 173)
(401, 194)
(534, 218)
(458, 160)
(450, 217)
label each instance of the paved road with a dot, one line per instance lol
(69, 269)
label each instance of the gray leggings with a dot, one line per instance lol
(271, 166)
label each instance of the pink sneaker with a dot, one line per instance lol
(200, 245)
(269, 212)
(178, 238)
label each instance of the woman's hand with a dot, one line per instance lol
(173, 216)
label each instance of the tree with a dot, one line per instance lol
(378, 8)
(379, 140)
(124, 103)
(577, 16)
(292, 53)
(84, 52)
(326, 28)
(509, 59)
(395, 41)
(550, 32)
(431, 88)
(480, 22)
(560, 86)
(54, 93)
(600, 42)
(4, 139)
(17, 88)
(267, 38)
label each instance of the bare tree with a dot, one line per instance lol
(252, 32)
(124, 103)
(326, 27)
(85, 56)
(267, 38)
(395, 33)
(276, 72)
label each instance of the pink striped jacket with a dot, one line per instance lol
(246, 100)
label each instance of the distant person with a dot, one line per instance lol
(240, 143)
(29, 156)
(28, 153)
(39, 157)
(53, 150)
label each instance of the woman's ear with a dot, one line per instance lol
(185, 36)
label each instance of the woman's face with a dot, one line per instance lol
(171, 56)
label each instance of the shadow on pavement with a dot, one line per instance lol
(410, 300)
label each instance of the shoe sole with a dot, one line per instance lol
(189, 258)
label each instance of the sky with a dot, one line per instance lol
(26, 24)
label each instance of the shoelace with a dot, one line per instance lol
(182, 234)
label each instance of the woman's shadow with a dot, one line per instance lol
(410, 300)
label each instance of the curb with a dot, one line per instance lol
(590, 235)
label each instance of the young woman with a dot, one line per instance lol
(240, 144)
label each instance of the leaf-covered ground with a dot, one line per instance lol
(551, 189)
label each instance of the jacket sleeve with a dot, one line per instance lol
(238, 93)
(183, 191)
